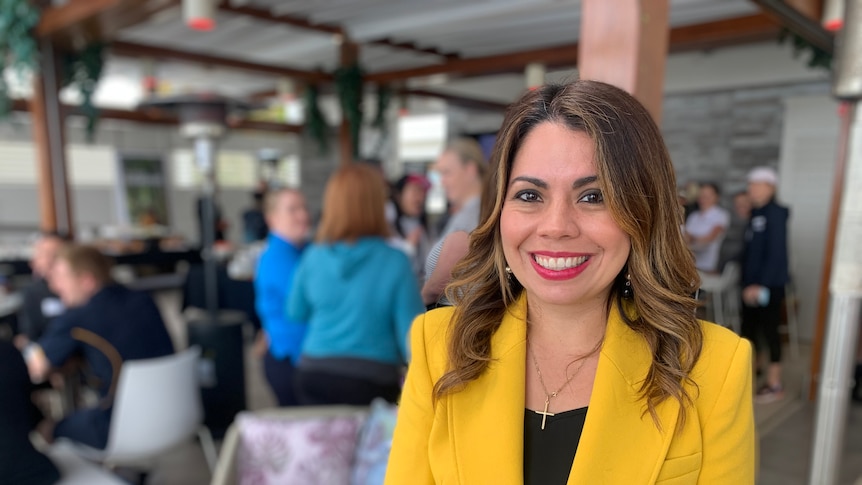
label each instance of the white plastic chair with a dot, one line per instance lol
(723, 295)
(74, 470)
(157, 406)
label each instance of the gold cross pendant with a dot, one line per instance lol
(545, 413)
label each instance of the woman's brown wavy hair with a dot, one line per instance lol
(639, 186)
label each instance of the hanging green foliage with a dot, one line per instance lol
(348, 84)
(315, 123)
(819, 58)
(384, 97)
(83, 69)
(18, 46)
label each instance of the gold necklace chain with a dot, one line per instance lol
(549, 395)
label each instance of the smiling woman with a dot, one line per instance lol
(554, 223)
(573, 323)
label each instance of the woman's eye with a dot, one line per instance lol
(527, 196)
(592, 198)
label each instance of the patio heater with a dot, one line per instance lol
(203, 120)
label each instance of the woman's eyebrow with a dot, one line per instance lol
(544, 185)
(530, 180)
(584, 181)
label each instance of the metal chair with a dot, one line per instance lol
(722, 292)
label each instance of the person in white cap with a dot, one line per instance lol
(764, 275)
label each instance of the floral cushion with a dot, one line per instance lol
(307, 451)
(375, 441)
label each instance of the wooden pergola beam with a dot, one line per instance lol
(388, 42)
(80, 21)
(292, 20)
(479, 66)
(463, 101)
(707, 35)
(723, 33)
(130, 49)
(157, 117)
(798, 22)
(74, 12)
(812, 9)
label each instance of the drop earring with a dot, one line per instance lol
(508, 273)
(628, 293)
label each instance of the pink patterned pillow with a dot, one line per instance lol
(307, 451)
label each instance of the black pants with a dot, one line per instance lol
(88, 426)
(761, 323)
(280, 374)
(317, 388)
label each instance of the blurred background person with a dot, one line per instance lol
(254, 226)
(105, 324)
(764, 276)
(705, 227)
(734, 239)
(20, 462)
(288, 221)
(358, 295)
(408, 221)
(40, 303)
(688, 197)
(462, 168)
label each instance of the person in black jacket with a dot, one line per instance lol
(764, 275)
(20, 462)
(105, 324)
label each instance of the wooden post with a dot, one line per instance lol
(624, 43)
(48, 134)
(812, 9)
(349, 56)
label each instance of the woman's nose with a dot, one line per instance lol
(558, 221)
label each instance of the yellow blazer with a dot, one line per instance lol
(476, 436)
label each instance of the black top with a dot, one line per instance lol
(549, 452)
(20, 462)
(40, 305)
(254, 225)
(764, 260)
(127, 321)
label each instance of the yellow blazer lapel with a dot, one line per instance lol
(620, 442)
(487, 418)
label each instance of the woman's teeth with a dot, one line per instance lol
(559, 264)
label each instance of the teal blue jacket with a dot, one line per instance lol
(359, 300)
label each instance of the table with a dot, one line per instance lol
(10, 303)
(232, 294)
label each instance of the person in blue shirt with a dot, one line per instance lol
(358, 294)
(105, 324)
(288, 221)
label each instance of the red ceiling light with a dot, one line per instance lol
(199, 14)
(833, 15)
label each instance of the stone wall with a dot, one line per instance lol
(720, 135)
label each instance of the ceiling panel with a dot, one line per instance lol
(475, 28)
(472, 28)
